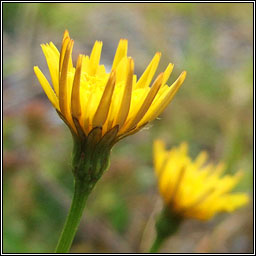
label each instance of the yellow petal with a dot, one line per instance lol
(52, 58)
(148, 74)
(191, 191)
(65, 42)
(121, 52)
(47, 87)
(159, 155)
(147, 102)
(121, 70)
(75, 97)
(228, 182)
(162, 102)
(173, 89)
(103, 108)
(65, 35)
(234, 201)
(183, 148)
(219, 169)
(173, 193)
(167, 73)
(95, 58)
(85, 64)
(101, 71)
(55, 50)
(127, 93)
(201, 159)
(63, 90)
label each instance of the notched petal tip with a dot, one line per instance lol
(35, 68)
(97, 45)
(167, 73)
(179, 81)
(121, 52)
(157, 58)
(124, 43)
(159, 54)
(131, 65)
(159, 77)
(183, 75)
(65, 35)
(94, 59)
(170, 66)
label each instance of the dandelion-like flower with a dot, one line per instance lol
(194, 189)
(90, 100)
(100, 108)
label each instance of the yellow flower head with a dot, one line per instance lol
(194, 189)
(87, 97)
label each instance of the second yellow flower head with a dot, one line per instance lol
(86, 96)
(194, 189)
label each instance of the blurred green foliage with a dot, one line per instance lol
(212, 111)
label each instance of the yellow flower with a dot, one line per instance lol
(194, 189)
(86, 96)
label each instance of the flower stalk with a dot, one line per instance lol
(166, 225)
(74, 217)
(100, 109)
(90, 160)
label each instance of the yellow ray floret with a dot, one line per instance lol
(194, 189)
(86, 96)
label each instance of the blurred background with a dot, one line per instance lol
(212, 111)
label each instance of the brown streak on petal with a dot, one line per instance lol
(126, 100)
(75, 96)
(147, 102)
(63, 97)
(65, 42)
(172, 91)
(104, 105)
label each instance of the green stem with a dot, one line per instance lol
(167, 224)
(73, 219)
(90, 160)
(156, 245)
